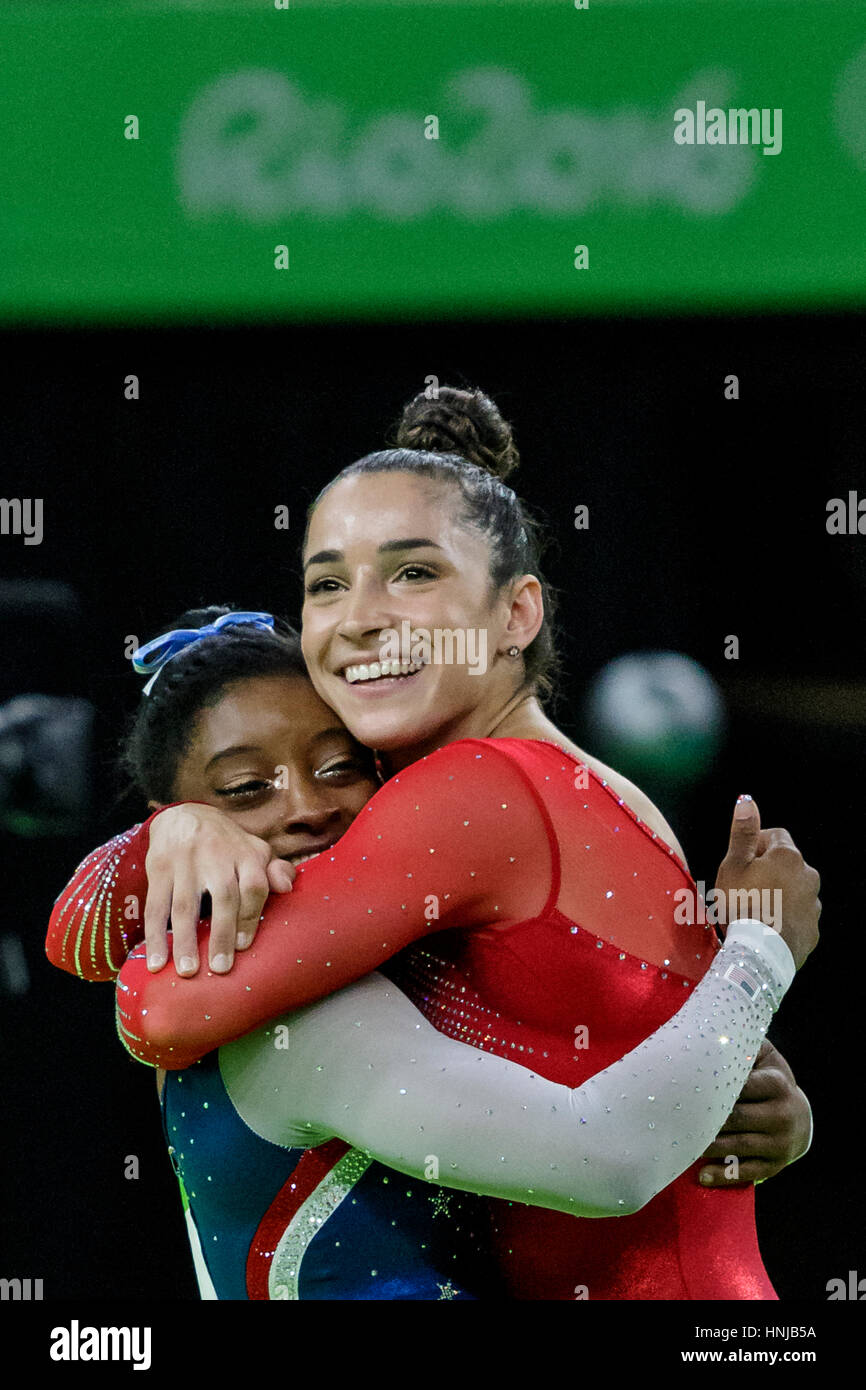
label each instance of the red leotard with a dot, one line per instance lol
(566, 957)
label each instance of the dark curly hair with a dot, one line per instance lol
(459, 438)
(160, 731)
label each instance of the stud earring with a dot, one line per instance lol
(514, 651)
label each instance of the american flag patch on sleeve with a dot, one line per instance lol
(740, 976)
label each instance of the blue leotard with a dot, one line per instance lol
(363, 1232)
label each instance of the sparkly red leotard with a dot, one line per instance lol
(568, 955)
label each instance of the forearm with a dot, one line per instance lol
(359, 903)
(365, 1065)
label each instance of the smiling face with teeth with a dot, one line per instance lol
(384, 549)
(274, 756)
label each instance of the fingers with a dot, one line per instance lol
(765, 1143)
(770, 1059)
(775, 837)
(226, 901)
(780, 838)
(281, 876)
(157, 909)
(765, 1052)
(185, 906)
(765, 1083)
(754, 1170)
(253, 888)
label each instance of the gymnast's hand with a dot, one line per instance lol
(764, 873)
(196, 849)
(768, 1128)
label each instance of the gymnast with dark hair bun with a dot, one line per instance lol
(540, 881)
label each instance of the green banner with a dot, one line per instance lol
(332, 160)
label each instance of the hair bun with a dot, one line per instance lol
(459, 422)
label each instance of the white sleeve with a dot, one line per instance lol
(365, 1065)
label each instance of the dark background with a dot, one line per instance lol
(707, 517)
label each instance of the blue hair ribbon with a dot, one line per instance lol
(150, 659)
